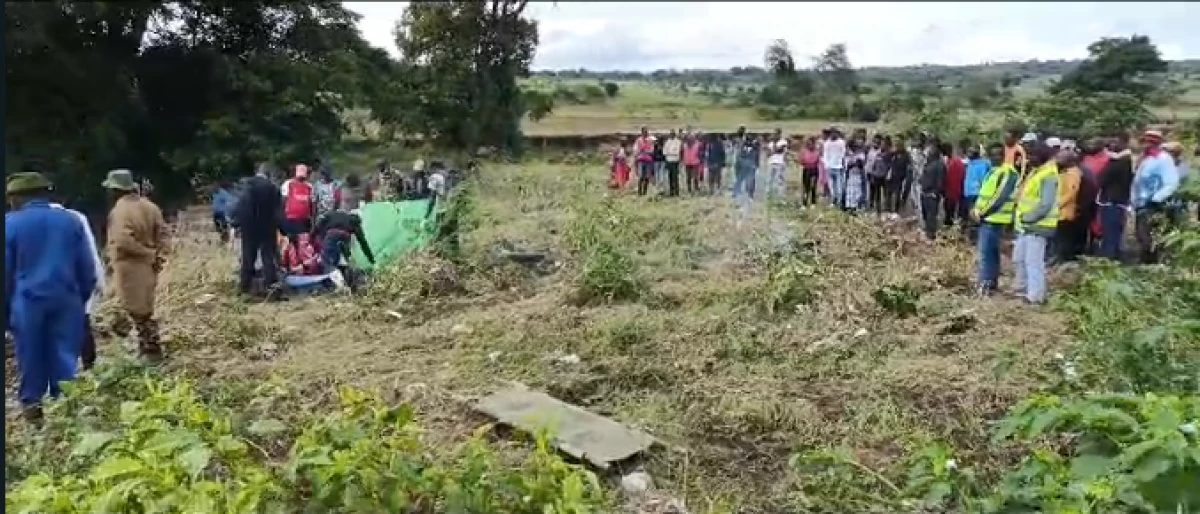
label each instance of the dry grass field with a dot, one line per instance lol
(681, 322)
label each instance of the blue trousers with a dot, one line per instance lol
(1112, 230)
(332, 246)
(49, 336)
(988, 245)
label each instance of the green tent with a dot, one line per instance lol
(392, 229)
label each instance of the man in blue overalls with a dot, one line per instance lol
(49, 276)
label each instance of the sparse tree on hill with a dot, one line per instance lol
(835, 71)
(611, 89)
(1116, 65)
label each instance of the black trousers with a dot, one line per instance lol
(930, 203)
(1070, 237)
(87, 353)
(895, 196)
(808, 179)
(261, 245)
(950, 206)
(673, 178)
(877, 193)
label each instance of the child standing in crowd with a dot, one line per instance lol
(619, 172)
(672, 153)
(810, 163)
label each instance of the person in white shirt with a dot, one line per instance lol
(777, 165)
(88, 349)
(833, 157)
(672, 151)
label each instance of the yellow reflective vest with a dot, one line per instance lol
(996, 201)
(1031, 191)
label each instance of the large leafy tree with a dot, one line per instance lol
(180, 92)
(466, 57)
(1116, 65)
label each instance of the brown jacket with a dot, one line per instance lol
(1069, 180)
(137, 246)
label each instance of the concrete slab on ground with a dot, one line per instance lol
(575, 431)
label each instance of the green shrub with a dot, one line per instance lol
(160, 445)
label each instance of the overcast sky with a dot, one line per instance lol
(657, 35)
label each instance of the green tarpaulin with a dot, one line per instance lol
(392, 229)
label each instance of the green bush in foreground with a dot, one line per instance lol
(159, 446)
(1117, 433)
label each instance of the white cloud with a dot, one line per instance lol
(655, 35)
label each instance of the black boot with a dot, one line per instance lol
(33, 414)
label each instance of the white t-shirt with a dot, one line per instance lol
(833, 153)
(437, 183)
(96, 261)
(672, 149)
(778, 149)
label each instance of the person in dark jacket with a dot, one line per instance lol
(1114, 183)
(259, 217)
(336, 231)
(896, 179)
(714, 159)
(933, 188)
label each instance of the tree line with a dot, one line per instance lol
(187, 92)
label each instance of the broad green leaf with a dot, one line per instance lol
(91, 443)
(264, 427)
(195, 460)
(116, 467)
(1090, 466)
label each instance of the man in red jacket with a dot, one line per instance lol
(956, 174)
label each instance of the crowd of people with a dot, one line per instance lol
(1058, 198)
(303, 227)
(54, 273)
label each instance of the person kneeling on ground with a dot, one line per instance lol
(993, 211)
(302, 258)
(1035, 222)
(336, 230)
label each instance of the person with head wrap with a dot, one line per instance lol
(1154, 182)
(137, 248)
(49, 277)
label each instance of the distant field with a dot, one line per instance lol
(604, 119)
(659, 108)
(662, 107)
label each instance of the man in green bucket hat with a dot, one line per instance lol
(137, 248)
(49, 277)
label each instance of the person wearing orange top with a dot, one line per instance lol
(1014, 153)
(1071, 233)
